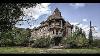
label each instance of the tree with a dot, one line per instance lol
(22, 37)
(90, 35)
(7, 38)
(78, 39)
(29, 35)
(16, 37)
(9, 14)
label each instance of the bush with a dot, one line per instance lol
(42, 42)
(6, 39)
(69, 43)
(78, 41)
(96, 43)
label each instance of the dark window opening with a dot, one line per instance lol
(56, 32)
(53, 32)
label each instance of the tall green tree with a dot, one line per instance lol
(9, 14)
(90, 35)
(22, 37)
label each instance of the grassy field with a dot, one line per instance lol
(29, 50)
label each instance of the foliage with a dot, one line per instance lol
(81, 41)
(42, 42)
(90, 35)
(96, 43)
(9, 14)
(18, 36)
(77, 39)
(5, 39)
(22, 37)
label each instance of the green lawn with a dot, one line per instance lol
(29, 50)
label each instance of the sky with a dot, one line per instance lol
(75, 13)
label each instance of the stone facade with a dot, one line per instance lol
(54, 26)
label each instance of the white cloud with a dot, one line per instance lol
(85, 20)
(96, 28)
(77, 5)
(80, 25)
(97, 35)
(85, 26)
(34, 26)
(74, 23)
(37, 11)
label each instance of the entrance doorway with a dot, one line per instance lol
(57, 40)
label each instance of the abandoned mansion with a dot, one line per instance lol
(54, 26)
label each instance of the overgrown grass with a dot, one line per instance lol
(29, 50)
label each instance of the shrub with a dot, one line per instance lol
(42, 42)
(96, 43)
(75, 41)
(6, 39)
(69, 42)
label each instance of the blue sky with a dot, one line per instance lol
(73, 12)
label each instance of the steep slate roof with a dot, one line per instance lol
(56, 10)
(55, 17)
